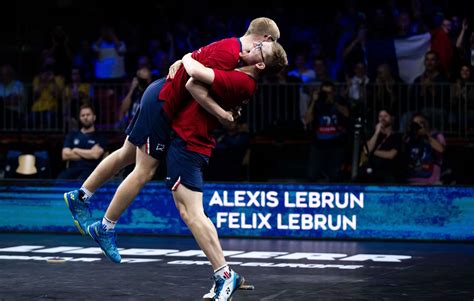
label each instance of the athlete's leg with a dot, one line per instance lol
(189, 204)
(110, 166)
(103, 232)
(143, 172)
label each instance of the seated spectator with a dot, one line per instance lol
(84, 148)
(327, 116)
(12, 100)
(76, 95)
(382, 151)
(423, 150)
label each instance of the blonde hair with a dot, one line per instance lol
(277, 61)
(264, 26)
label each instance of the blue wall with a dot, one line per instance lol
(269, 210)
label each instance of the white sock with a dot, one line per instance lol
(107, 224)
(223, 271)
(87, 193)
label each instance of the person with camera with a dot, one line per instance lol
(424, 150)
(326, 115)
(382, 151)
(131, 102)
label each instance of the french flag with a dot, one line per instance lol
(404, 55)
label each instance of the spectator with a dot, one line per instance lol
(441, 45)
(131, 102)
(306, 75)
(12, 100)
(424, 150)
(232, 151)
(84, 148)
(83, 60)
(386, 89)
(110, 64)
(326, 115)
(61, 52)
(430, 91)
(77, 94)
(47, 89)
(356, 87)
(382, 151)
(462, 98)
(466, 51)
(321, 70)
(356, 51)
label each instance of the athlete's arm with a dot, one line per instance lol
(197, 70)
(201, 94)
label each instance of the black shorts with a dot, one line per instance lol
(150, 125)
(184, 167)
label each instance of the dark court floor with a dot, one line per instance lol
(159, 268)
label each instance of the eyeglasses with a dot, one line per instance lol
(259, 46)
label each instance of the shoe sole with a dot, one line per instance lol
(76, 222)
(97, 241)
(240, 286)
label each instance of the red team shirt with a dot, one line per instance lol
(190, 121)
(194, 124)
(223, 55)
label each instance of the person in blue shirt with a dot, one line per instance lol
(84, 148)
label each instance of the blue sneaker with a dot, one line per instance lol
(106, 241)
(227, 285)
(81, 214)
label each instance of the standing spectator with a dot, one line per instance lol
(321, 69)
(430, 92)
(12, 100)
(382, 151)
(47, 89)
(77, 94)
(61, 52)
(466, 51)
(131, 102)
(327, 116)
(441, 45)
(386, 89)
(83, 60)
(110, 63)
(356, 51)
(424, 150)
(306, 75)
(356, 86)
(462, 99)
(84, 148)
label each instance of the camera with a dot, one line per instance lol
(414, 128)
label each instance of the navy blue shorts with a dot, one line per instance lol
(151, 126)
(184, 167)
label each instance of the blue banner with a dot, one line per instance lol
(261, 210)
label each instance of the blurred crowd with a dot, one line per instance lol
(340, 74)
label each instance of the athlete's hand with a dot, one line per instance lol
(174, 68)
(227, 119)
(237, 112)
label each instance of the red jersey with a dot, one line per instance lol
(194, 124)
(223, 55)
